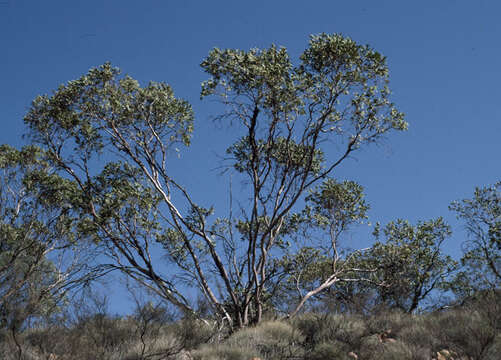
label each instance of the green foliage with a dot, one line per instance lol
(82, 110)
(336, 205)
(284, 153)
(410, 263)
(269, 340)
(416, 334)
(36, 226)
(103, 115)
(473, 329)
(330, 350)
(273, 340)
(331, 209)
(332, 66)
(193, 332)
(319, 329)
(482, 258)
(224, 352)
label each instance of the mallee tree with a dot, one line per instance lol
(481, 260)
(112, 140)
(410, 263)
(40, 260)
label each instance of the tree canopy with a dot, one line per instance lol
(39, 260)
(482, 257)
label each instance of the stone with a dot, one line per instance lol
(352, 355)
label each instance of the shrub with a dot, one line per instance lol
(273, 340)
(468, 333)
(333, 350)
(269, 340)
(224, 352)
(393, 351)
(193, 332)
(417, 335)
(162, 346)
(389, 320)
(328, 328)
(494, 350)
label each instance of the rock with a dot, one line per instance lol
(352, 355)
(385, 337)
(445, 355)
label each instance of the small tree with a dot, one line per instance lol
(482, 255)
(38, 262)
(322, 261)
(410, 263)
(288, 114)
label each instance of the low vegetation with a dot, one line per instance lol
(471, 330)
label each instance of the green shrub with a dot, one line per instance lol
(312, 327)
(472, 331)
(224, 352)
(418, 335)
(394, 351)
(328, 328)
(268, 340)
(468, 333)
(389, 320)
(494, 350)
(273, 340)
(333, 350)
(161, 346)
(193, 332)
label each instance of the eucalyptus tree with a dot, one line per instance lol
(112, 139)
(402, 272)
(411, 267)
(320, 259)
(482, 250)
(39, 262)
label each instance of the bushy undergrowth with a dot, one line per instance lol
(471, 331)
(103, 337)
(269, 340)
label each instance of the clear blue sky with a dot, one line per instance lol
(444, 58)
